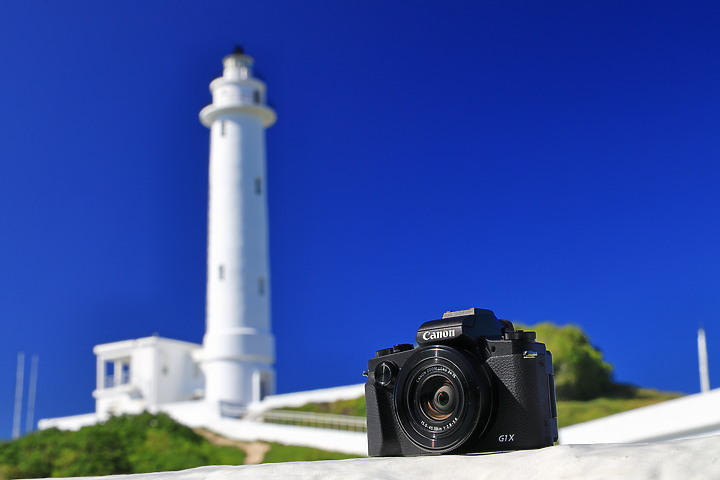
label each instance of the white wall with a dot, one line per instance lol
(684, 417)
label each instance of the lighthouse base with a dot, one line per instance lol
(232, 385)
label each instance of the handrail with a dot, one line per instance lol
(312, 419)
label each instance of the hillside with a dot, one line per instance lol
(136, 444)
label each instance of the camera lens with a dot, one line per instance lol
(438, 398)
(442, 398)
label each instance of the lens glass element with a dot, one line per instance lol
(438, 398)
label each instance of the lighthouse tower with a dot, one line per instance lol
(238, 348)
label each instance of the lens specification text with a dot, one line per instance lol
(440, 428)
(433, 369)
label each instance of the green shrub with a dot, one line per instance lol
(124, 444)
(96, 451)
(580, 371)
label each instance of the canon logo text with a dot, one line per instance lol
(438, 334)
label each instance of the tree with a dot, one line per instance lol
(580, 371)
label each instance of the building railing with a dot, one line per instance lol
(317, 420)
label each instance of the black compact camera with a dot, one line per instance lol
(473, 384)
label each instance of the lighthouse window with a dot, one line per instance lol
(256, 96)
(221, 272)
(222, 128)
(261, 286)
(258, 186)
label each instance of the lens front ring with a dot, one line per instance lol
(441, 397)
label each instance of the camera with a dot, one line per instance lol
(472, 384)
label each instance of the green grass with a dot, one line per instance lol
(354, 407)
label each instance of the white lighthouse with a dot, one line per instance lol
(238, 348)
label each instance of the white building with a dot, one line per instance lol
(234, 367)
(141, 374)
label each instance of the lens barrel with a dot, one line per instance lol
(442, 398)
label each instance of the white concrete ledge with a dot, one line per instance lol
(685, 417)
(682, 459)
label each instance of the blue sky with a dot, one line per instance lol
(554, 161)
